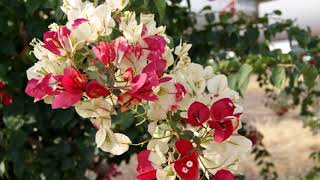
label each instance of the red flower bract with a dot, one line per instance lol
(223, 129)
(2, 84)
(183, 146)
(222, 114)
(187, 167)
(57, 41)
(41, 88)
(145, 169)
(6, 98)
(79, 21)
(156, 45)
(198, 113)
(142, 84)
(223, 175)
(128, 74)
(73, 83)
(105, 52)
(73, 80)
(313, 62)
(221, 109)
(94, 89)
(181, 91)
(158, 66)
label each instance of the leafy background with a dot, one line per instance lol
(37, 142)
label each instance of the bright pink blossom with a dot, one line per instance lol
(133, 51)
(105, 52)
(156, 45)
(121, 46)
(94, 89)
(128, 74)
(158, 66)
(58, 42)
(187, 167)
(198, 113)
(181, 91)
(73, 84)
(223, 175)
(78, 22)
(145, 169)
(141, 86)
(42, 88)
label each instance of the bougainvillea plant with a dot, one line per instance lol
(104, 61)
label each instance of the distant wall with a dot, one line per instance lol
(306, 12)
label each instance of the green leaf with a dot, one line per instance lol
(240, 80)
(210, 17)
(62, 117)
(232, 28)
(310, 75)
(232, 81)
(188, 135)
(243, 77)
(32, 5)
(161, 6)
(277, 12)
(278, 77)
(16, 122)
(123, 120)
(252, 34)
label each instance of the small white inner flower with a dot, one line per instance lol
(189, 164)
(185, 170)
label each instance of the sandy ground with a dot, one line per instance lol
(285, 138)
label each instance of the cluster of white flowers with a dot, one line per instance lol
(192, 114)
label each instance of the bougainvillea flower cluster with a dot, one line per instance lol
(105, 61)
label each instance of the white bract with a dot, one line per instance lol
(226, 154)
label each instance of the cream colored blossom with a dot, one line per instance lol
(117, 5)
(225, 155)
(167, 173)
(114, 143)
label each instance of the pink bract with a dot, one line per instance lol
(57, 41)
(105, 52)
(78, 22)
(41, 88)
(145, 169)
(73, 84)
